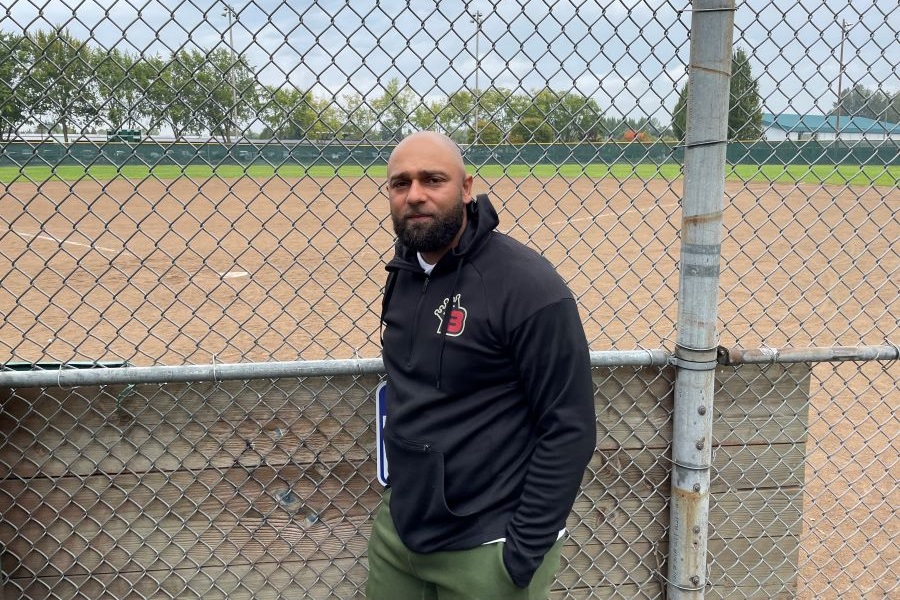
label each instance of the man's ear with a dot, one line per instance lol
(467, 189)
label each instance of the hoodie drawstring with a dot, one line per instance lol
(388, 291)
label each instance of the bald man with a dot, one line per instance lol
(491, 418)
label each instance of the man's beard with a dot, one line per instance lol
(434, 235)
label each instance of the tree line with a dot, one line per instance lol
(59, 83)
(55, 82)
(745, 106)
(860, 101)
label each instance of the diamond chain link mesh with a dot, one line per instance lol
(201, 182)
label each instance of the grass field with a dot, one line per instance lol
(888, 176)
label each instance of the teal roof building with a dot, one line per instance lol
(786, 126)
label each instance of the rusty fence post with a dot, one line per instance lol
(706, 135)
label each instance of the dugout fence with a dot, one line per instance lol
(190, 356)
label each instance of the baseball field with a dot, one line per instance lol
(207, 267)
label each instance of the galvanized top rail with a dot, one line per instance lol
(65, 376)
(73, 376)
(742, 356)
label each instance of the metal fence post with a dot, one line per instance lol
(706, 133)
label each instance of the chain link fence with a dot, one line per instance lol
(201, 185)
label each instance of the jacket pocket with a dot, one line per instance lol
(418, 503)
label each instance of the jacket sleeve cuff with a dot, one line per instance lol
(521, 569)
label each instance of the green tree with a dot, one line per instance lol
(425, 116)
(289, 113)
(357, 117)
(495, 112)
(880, 104)
(892, 115)
(489, 133)
(532, 117)
(745, 104)
(117, 91)
(15, 95)
(570, 116)
(214, 93)
(131, 89)
(577, 118)
(149, 75)
(531, 130)
(325, 123)
(62, 77)
(544, 110)
(453, 116)
(153, 76)
(189, 88)
(854, 102)
(860, 101)
(393, 109)
(679, 114)
(330, 120)
(235, 99)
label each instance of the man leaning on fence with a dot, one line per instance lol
(490, 405)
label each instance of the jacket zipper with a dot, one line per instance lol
(415, 326)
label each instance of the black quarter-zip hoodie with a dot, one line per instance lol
(491, 418)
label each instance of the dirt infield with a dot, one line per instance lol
(158, 272)
(173, 272)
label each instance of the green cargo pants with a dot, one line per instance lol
(395, 573)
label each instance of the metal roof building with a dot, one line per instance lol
(786, 126)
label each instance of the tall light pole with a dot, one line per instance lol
(476, 18)
(231, 14)
(837, 110)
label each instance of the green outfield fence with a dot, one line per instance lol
(150, 152)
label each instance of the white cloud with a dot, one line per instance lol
(628, 53)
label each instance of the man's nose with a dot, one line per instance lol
(416, 193)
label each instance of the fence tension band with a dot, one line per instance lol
(700, 144)
(691, 365)
(696, 359)
(710, 10)
(681, 465)
(683, 588)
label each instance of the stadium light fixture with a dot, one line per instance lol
(232, 16)
(477, 18)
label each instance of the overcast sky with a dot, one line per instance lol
(629, 55)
